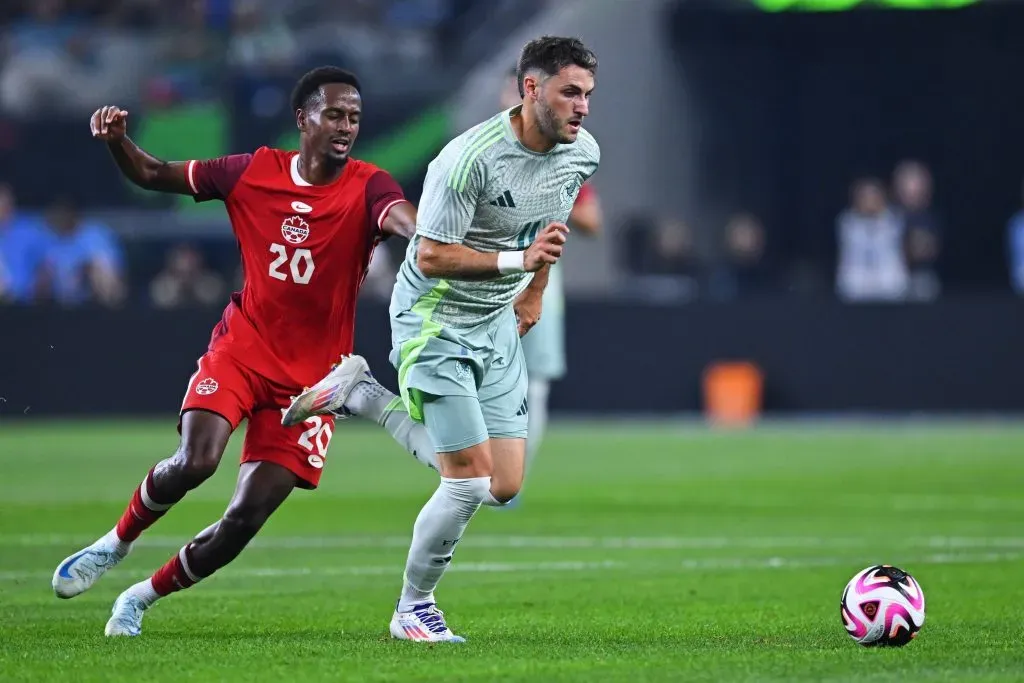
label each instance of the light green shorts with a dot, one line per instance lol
(484, 363)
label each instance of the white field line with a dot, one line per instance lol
(707, 564)
(557, 542)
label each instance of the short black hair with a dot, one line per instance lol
(309, 85)
(551, 54)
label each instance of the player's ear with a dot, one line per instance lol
(300, 119)
(530, 86)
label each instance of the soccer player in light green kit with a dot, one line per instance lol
(493, 212)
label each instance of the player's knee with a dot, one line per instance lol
(469, 492)
(504, 490)
(474, 461)
(198, 460)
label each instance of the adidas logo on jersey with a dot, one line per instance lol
(505, 200)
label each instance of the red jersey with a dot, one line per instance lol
(305, 250)
(586, 193)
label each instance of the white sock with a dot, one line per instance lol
(111, 539)
(369, 399)
(411, 435)
(438, 528)
(374, 402)
(145, 592)
(537, 418)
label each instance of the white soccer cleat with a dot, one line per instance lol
(329, 394)
(126, 617)
(77, 573)
(424, 623)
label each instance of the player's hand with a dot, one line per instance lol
(547, 248)
(109, 123)
(527, 308)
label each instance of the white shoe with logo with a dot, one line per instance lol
(424, 623)
(328, 396)
(78, 572)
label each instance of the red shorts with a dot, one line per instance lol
(222, 385)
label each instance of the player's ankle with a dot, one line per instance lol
(370, 400)
(145, 592)
(412, 597)
(116, 543)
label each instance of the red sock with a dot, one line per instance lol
(175, 575)
(141, 512)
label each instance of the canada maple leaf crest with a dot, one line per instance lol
(295, 230)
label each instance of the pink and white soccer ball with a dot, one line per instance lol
(882, 605)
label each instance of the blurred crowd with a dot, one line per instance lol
(61, 257)
(74, 53)
(888, 247)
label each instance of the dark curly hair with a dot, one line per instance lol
(551, 54)
(309, 85)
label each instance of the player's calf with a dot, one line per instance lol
(203, 437)
(261, 488)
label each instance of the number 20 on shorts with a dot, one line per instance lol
(318, 435)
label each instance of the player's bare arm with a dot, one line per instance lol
(459, 262)
(528, 305)
(400, 221)
(110, 124)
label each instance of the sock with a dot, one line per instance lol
(145, 591)
(112, 540)
(141, 513)
(411, 435)
(490, 501)
(175, 575)
(370, 399)
(374, 402)
(438, 528)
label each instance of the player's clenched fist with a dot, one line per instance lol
(109, 123)
(547, 248)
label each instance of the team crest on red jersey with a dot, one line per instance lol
(295, 230)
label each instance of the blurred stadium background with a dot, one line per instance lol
(830, 196)
(812, 207)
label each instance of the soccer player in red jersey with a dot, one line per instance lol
(306, 225)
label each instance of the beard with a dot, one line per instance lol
(549, 123)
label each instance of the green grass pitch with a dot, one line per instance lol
(640, 552)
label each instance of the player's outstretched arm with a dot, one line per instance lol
(458, 262)
(110, 124)
(400, 221)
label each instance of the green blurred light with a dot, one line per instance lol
(846, 5)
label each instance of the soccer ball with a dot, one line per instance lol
(882, 605)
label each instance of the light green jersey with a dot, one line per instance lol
(487, 191)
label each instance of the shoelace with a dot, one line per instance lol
(433, 619)
(137, 609)
(88, 566)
